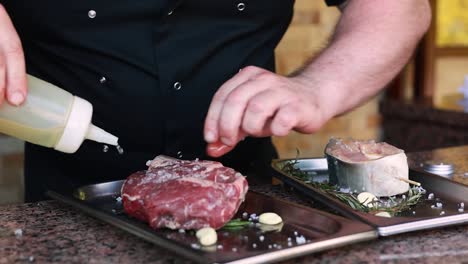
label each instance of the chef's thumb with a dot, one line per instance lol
(217, 149)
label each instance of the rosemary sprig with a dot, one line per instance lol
(290, 169)
(236, 224)
(392, 205)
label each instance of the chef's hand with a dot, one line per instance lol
(259, 103)
(13, 83)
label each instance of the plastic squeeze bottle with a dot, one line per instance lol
(52, 117)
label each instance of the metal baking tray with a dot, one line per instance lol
(420, 217)
(307, 229)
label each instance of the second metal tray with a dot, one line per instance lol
(422, 216)
(305, 230)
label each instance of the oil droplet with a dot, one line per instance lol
(105, 148)
(120, 149)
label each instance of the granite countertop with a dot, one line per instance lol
(457, 156)
(54, 232)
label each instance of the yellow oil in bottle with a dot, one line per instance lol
(46, 137)
(41, 118)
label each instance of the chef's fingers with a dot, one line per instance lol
(2, 77)
(211, 133)
(234, 106)
(218, 149)
(13, 60)
(260, 109)
(285, 119)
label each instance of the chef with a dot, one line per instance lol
(192, 79)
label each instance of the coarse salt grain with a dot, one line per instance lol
(119, 199)
(345, 190)
(421, 190)
(430, 196)
(234, 249)
(300, 240)
(195, 246)
(254, 245)
(439, 205)
(261, 238)
(181, 230)
(19, 232)
(220, 246)
(462, 205)
(442, 213)
(461, 210)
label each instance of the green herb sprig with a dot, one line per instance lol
(235, 224)
(413, 196)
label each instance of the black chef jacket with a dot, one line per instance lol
(150, 69)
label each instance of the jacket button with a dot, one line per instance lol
(92, 14)
(177, 86)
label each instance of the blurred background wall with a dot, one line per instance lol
(451, 37)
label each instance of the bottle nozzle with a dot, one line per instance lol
(99, 135)
(79, 127)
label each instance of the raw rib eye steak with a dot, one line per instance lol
(184, 194)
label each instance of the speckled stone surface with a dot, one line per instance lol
(458, 156)
(56, 233)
